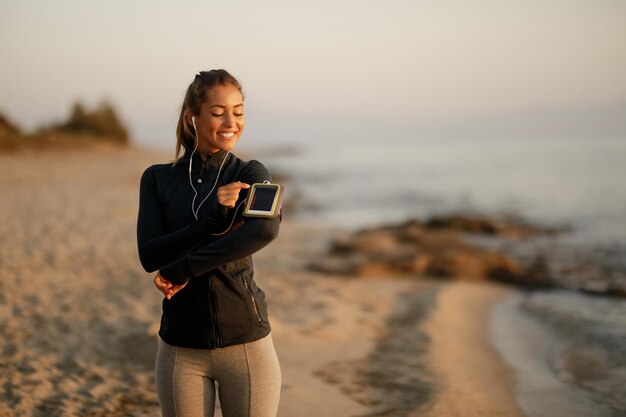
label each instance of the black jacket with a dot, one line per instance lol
(221, 305)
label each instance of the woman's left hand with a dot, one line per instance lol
(166, 287)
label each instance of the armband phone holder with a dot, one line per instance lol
(264, 200)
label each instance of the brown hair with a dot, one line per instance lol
(194, 97)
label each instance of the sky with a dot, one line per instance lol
(325, 70)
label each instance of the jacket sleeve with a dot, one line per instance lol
(253, 235)
(156, 248)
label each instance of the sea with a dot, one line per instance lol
(578, 183)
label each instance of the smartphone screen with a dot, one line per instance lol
(263, 198)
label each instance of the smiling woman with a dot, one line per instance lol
(213, 105)
(220, 121)
(214, 326)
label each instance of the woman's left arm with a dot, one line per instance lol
(250, 237)
(253, 235)
(157, 248)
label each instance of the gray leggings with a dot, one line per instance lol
(248, 376)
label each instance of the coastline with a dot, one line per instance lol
(531, 349)
(387, 345)
(80, 322)
(567, 350)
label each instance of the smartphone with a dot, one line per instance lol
(264, 200)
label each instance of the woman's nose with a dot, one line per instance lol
(229, 120)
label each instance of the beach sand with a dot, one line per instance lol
(474, 375)
(79, 316)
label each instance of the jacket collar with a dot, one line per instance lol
(208, 161)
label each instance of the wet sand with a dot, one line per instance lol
(78, 317)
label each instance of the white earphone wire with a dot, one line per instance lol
(197, 210)
(232, 221)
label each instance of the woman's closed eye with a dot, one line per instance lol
(222, 114)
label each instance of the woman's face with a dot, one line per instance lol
(220, 122)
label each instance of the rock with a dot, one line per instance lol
(412, 248)
(441, 247)
(504, 268)
(504, 226)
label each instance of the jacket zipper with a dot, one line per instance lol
(256, 309)
(217, 339)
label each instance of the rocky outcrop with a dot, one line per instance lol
(464, 247)
(434, 248)
(510, 227)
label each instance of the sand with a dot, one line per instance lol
(475, 377)
(78, 315)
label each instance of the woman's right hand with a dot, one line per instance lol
(227, 195)
(166, 287)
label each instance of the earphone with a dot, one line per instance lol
(197, 210)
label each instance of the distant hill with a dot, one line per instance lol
(82, 128)
(7, 127)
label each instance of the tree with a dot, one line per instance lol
(101, 122)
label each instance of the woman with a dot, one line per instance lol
(214, 326)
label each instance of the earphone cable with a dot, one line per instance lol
(232, 221)
(197, 210)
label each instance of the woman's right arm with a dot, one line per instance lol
(156, 248)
